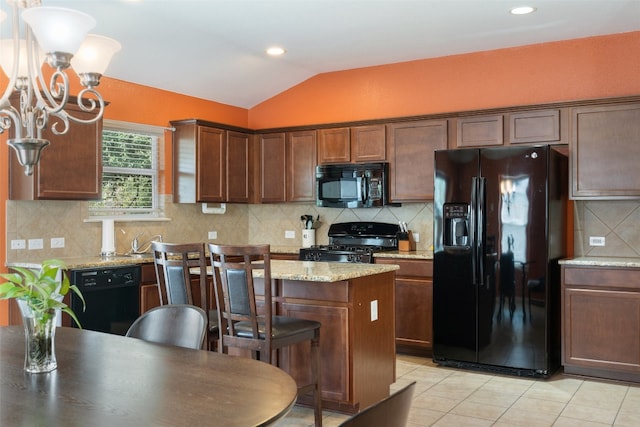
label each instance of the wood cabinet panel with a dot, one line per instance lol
(368, 144)
(534, 127)
(301, 166)
(334, 349)
(273, 185)
(414, 305)
(411, 147)
(604, 143)
(70, 168)
(239, 173)
(211, 164)
(601, 322)
(479, 131)
(334, 145)
(287, 166)
(149, 292)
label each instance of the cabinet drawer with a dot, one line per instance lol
(608, 278)
(334, 291)
(410, 268)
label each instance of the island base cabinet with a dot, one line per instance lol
(601, 322)
(357, 343)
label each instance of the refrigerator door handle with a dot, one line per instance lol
(481, 189)
(473, 236)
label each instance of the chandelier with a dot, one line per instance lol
(60, 37)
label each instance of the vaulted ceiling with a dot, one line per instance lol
(215, 49)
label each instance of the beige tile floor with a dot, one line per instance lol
(453, 397)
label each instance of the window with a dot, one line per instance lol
(130, 169)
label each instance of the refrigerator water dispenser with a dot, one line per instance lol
(456, 226)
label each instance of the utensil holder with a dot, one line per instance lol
(406, 242)
(308, 237)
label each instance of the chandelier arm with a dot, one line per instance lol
(13, 78)
(8, 114)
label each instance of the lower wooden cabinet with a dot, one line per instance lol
(601, 322)
(149, 296)
(414, 305)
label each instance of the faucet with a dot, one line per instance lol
(138, 248)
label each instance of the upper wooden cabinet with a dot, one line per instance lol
(334, 145)
(211, 164)
(368, 144)
(411, 157)
(479, 131)
(547, 126)
(301, 166)
(273, 171)
(70, 168)
(287, 166)
(358, 144)
(605, 148)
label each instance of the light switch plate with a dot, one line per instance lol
(18, 244)
(36, 244)
(289, 234)
(212, 235)
(57, 242)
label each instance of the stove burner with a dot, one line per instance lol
(348, 243)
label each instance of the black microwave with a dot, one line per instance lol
(352, 185)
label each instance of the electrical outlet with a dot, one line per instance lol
(374, 310)
(596, 240)
(289, 234)
(212, 235)
(57, 242)
(18, 244)
(36, 244)
(416, 237)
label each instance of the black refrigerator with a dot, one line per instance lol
(500, 219)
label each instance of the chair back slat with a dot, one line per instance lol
(234, 287)
(173, 263)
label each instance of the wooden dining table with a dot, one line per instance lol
(111, 380)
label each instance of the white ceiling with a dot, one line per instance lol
(214, 49)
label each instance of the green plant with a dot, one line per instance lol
(40, 289)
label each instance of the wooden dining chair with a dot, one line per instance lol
(246, 324)
(181, 325)
(392, 411)
(173, 264)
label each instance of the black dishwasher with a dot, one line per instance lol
(112, 295)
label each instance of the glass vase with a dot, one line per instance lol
(39, 331)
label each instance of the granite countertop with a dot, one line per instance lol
(280, 269)
(602, 262)
(404, 255)
(315, 271)
(74, 263)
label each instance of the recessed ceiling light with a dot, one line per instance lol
(275, 51)
(522, 10)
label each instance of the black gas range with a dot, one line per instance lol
(354, 242)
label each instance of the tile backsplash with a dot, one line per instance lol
(617, 221)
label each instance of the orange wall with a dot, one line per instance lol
(593, 67)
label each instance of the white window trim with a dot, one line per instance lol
(158, 132)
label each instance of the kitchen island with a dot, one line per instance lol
(355, 303)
